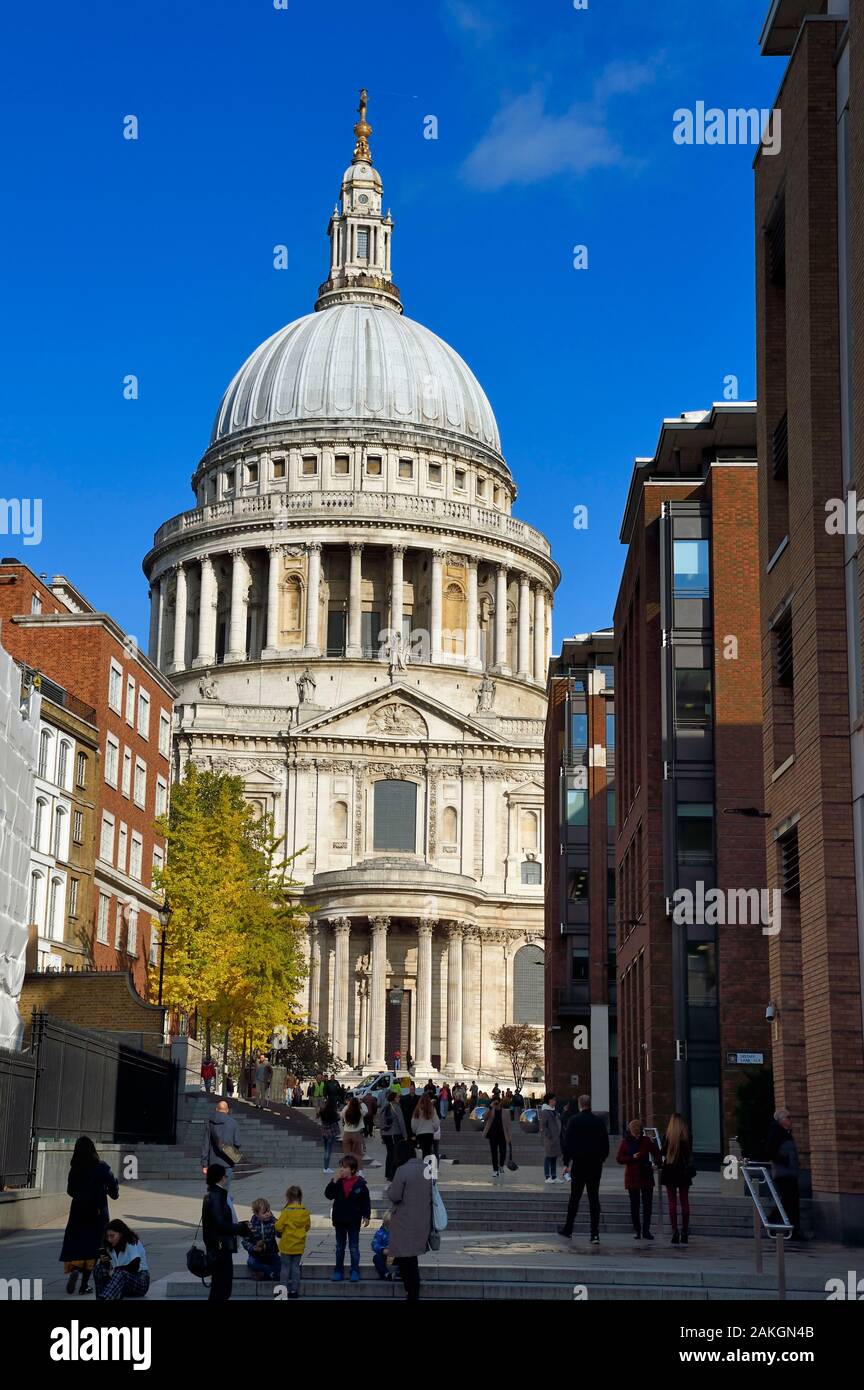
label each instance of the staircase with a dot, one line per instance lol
(268, 1139)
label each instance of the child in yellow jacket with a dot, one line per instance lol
(292, 1224)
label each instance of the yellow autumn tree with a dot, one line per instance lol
(233, 952)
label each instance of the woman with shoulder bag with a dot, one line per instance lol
(677, 1174)
(220, 1230)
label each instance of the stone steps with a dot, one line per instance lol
(496, 1282)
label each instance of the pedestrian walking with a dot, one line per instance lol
(260, 1244)
(426, 1125)
(371, 1104)
(90, 1184)
(408, 1104)
(292, 1227)
(229, 1084)
(458, 1107)
(550, 1133)
(585, 1147)
(444, 1100)
(635, 1152)
(263, 1078)
(677, 1174)
(397, 1060)
(208, 1073)
(352, 1208)
(518, 1103)
(783, 1153)
(317, 1091)
(219, 1230)
(121, 1270)
(221, 1141)
(410, 1196)
(472, 1096)
(328, 1117)
(391, 1125)
(497, 1129)
(353, 1118)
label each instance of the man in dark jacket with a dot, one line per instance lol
(783, 1153)
(408, 1104)
(220, 1231)
(585, 1146)
(220, 1130)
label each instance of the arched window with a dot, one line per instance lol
(395, 815)
(35, 880)
(529, 829)
(60, 834)
(63, 762)
(451, 825)
(39, 821)
(44, 752)
(339, 820)
(55, 910)
(531, 871)
(528, 985)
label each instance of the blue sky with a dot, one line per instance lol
(155, 256)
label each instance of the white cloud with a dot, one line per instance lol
(526, 144)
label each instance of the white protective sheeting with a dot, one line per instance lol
(19, 744)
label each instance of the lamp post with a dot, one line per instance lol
(164, 919)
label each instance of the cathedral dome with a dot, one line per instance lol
(356, 361)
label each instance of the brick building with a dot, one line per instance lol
(84, 655)
(810, 358)
(692, 985)
(580, 883)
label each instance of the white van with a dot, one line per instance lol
(379, 1083)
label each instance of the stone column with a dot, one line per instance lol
(314, 977)
(179, 661)
(363, 994)
(501, 662)
(313, 584)
(436, 604)
(354, 646)
(341, 927)
(539, 635)
(396, 588)
(155, 621)
(453, 1063)
(207, 617)
(470, 997)
(237, 624)
(549, 632)
(524, 663)
(423, 1060)
(377, 993)
(274, 574)
(472, 633)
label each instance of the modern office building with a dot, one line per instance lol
(692, 964)
(810, 351)
(581, 1017)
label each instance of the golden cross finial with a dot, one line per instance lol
(362, 130)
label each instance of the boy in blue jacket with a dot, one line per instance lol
(380, 1242)
(352, 1208)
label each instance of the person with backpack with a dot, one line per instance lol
(208, 1073)
(220, 1229)
(677, 1174)
(91, 1182)
(585, 1146)
(221, 1141)
(352, 1208)
(391, 1124)
(635, 1154)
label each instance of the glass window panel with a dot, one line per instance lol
(692, 697)
(395, 815)
(695, 832)
(579, 730)
(690, 565)
(577, 807)
(610, 731)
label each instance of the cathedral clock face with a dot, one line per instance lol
(363, 198)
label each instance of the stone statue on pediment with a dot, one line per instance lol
(208, 687)
(306, 687)
(486, 695)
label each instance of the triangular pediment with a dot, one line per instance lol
(400, 712)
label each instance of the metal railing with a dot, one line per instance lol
(755, 1176)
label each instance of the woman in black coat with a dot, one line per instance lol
(220, 1230)
(90, 1184)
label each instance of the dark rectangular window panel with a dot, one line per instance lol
(610, 806)
(610, 731)
(335, 634)
(784, 665)
(695, 832)
(395, 815)
(790, 877)
(692, 698)
(775, 235)
(609, 674)
(780, 448)
(577, 885)
(370, 633)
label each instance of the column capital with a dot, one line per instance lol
(398, 548)
(313, 545)
(178, 566)
(276, 547)
(206, 561)
(439, 555)
(455, 929)
(236, 552)
(341, 926)
(356, 547)
(426, 926)
(380, 925)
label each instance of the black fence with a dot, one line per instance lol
(70, 1082)
(17, 1090)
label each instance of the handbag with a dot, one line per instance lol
(198, 1260)
(439, 1211)
(232, 1153)
(510, 1163)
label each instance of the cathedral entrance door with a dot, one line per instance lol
(397, 1025)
